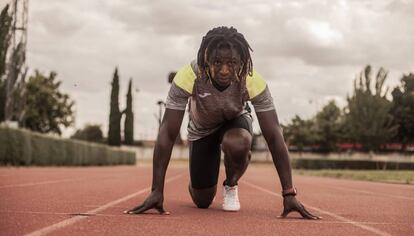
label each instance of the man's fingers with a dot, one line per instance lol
(141, 209)
(134, 209)
(306, 214)
(161, 210)
(284, 213)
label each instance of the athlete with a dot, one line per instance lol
(217, 87)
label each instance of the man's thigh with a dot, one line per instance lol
(241, 122)
(205, 161)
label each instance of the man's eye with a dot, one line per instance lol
(217, 62)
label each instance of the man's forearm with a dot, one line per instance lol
(170, 127)
(281, 161)
(161, 158)
(272, 132)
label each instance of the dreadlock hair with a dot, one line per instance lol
(225, 37)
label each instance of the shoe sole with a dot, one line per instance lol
(231, 210)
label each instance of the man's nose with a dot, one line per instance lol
(224, 70)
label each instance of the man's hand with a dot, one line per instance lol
(154, 200)
(290, 203)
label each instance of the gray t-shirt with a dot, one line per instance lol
(209, 108)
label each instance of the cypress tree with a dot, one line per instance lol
(114, 131)
(129, 118)
(5, 38)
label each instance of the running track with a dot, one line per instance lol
(90, 201)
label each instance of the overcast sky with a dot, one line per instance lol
(309, 52)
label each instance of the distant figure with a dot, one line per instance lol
(217, 85)
(171, 76)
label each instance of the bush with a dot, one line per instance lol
(23, 147)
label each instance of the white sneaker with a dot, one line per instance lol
(231, 198)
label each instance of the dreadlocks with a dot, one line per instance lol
(225, 37)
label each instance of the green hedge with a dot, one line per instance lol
(23, 147)
(316, 164)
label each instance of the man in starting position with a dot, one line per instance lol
(217, 85)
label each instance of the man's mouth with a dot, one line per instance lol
(224, 79)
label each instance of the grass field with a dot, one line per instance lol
(397, 176)
(385, 176)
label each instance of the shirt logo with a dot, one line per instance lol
(204, 95)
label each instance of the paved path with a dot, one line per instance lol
(90, 201)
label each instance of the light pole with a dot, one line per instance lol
(160, 104)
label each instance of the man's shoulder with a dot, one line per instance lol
(186, 77)
(255, 84)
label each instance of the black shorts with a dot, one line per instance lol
(205, 153)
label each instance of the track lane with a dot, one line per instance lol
(27, 209)
(257, 217)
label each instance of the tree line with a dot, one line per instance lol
(368, 122)
(37, 103)
(93, 132)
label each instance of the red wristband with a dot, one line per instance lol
(289, 192)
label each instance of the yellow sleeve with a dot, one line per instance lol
(185, 78)
(255, 84)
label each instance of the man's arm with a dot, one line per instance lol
(272, 132)
(169, 129)
(167, 135)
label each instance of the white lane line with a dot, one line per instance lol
(374, 193)
(343, 219)
(36, 212)
(57, 181)
(75, 219)
(156, 216)
(41, 183)
(148, 215)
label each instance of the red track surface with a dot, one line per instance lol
(49, 200)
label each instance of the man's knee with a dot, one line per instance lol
(202, 198)
(236, 143)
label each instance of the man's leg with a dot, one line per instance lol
(236, 143)
(202, 198)
(204, 169)
(236, 147)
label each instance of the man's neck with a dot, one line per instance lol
(219, 87)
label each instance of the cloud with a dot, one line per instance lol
(306, 50)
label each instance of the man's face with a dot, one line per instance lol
(224, 63)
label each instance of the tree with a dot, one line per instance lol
(16, 85)
(327, 122)
(368, 118)
(5, 36)
(129, 118)
(90, 132)
(300, 133)
(403, 109)
(47, 109)
(114, 131)
(2, 99)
